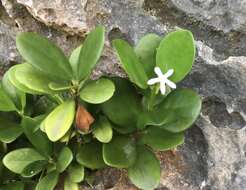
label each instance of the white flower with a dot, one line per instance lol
(162, 79)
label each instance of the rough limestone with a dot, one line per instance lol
(214, 154)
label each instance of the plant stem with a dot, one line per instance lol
(151, 100)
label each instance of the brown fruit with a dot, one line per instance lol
(83, 119)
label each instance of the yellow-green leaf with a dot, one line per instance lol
(65, 157)
(48, 182)
(59, 121)
(18, 159)
(103, 130)
(177, 52)
(97, 91)
(6, 104)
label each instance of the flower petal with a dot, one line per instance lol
(158, 71)
(169, 73)
(170, 84)
(163, 88)
(153, 81)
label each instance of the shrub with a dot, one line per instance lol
(55, 122)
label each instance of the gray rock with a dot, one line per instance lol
(70, 15)
(221, 14)
(214, 154)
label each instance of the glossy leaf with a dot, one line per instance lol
(90, 52)
(10, 134)
(60, 120)
(18, 159)
(44, 55)
(16, 83)
(76, 173)
(120, 152)
(124, 130)
(74, 59)
(145, 173)
(98, 91)
(6, 104)
(55, 86)
(9, 130)
(17, 96)
(48, 182)
(130, 63)
(103, 130)
(124, 107)
(65, 157)
(176, 51)
(176, 113)
(90, 155)
(160, 139)
(146, 52)
(69, 185)
(32, 79)
(34, 168)
(38, 139)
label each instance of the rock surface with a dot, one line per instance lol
(214, 154)
(226, 15)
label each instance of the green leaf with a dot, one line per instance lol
(48, 182)
(38, 139)
(34, 168)
(13, 186)
(60, 120)
(17, 96)
(103, 130)
(6, 104)
(120, 152)
(176, 113)
(44, 55)
(65, 157)
(69, 185)
(32, 79)
(124, 130)
(160, 139)
(97, 91)
(177, 52)
(124, 107)
(74, 59)
(146, 52)
(76, 173)
(17, 84)
(9, 134)
(145, 173)
(90, 155)
(18, 159)
(130, 63)
(59, 86)
(9, 130)
(90, 52)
